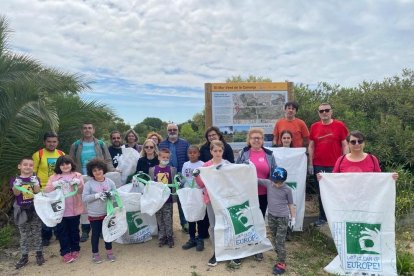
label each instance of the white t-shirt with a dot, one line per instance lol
(188, 169)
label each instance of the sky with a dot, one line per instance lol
(151, 58)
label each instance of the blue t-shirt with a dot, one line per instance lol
(88, 153)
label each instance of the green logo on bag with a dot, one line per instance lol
(240, 216)
(292, 185)
(363, 238)
(135, 222)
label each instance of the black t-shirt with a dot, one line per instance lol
(144, 164)
(115, 154)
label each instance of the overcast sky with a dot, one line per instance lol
(152, 58)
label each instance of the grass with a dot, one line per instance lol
(6, 236)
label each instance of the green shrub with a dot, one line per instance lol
(6, 236)
(405, 263)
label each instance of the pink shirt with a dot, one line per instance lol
(73, 204)
(258, 158)
(200, 182)
(368, 164)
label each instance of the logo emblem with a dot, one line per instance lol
(135, 222)
(363, 238)
(57, 206)
(241, 217)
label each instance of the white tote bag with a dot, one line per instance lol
(50, 207)
(141, 228)
(154, 196)
(131, 199)
(114, 224)
(127, 163)
(192, 203)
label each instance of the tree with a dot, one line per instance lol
(250, 78)
(35, 99)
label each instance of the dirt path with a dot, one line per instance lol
(141, 259)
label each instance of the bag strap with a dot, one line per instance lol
(110, 204)
(142, 178)
(340, 162)
(74, 192)
(23, 190)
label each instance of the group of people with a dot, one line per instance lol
(328, 143)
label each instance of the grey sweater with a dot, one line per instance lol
(96, 207)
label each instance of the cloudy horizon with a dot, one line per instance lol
(152, 58)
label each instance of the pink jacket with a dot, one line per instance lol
(73, 204)
(200, 182)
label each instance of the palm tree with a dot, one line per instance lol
(35, 99)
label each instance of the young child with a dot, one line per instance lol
(164, 174)
(95, 194)
(67, 231)
(216, 150)
(280, 205)
(202, 225)
(25, 216)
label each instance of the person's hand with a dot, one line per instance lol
(319, 176)
(374, 237)
(292, 223)
(196, 172)
(34, 180)
(75, 181)
(395, 176)
(310, 170)
(101, 196)
(57, 184)
(17, 182)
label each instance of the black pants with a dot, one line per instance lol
(68, 234)
(200, 226)
(263, 204)
(47, 232)
(318, 169)
(96, 226)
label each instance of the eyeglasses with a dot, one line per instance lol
(324, 110)
(148, 147)
(212, 135)
(256, 138)
(172, 130)
(354, 142)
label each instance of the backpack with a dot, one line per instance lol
(100, 142)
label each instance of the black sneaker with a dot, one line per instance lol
(190, 244)
(45, 242)
(235, 262)
(259, 257)
(170, 241)
(162, 241)
(22, 262)
(320, 222)
(84, 237)
(39, 258)
(200, 245)
(212, 261)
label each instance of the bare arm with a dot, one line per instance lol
(311, 149)
(345, 149)
(292, 209)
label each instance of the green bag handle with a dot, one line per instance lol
(23, 190)
(110, 205)
(142, 178)
(178, 182)
(74, 192)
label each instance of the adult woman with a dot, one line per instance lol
(356, 160)
(155, 137)
(148, 158)
(286, 138)
(264, 162)
(131, 140)
(262, 158)
(211, 134)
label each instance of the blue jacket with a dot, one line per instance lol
(181, 148)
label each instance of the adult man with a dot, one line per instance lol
(115, 149)
(178, 148)
(327, 143)
(295, 125)
(44, 163)
(83, 150)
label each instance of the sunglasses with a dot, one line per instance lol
(148, 147)
(354, 142)
(324, 110)
(172, 130)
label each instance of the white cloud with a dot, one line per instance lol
(177, 46)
